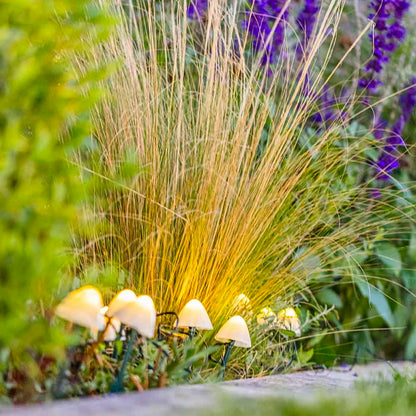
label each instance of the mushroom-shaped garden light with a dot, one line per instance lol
(233, 333)
(140, 316)
(112, 327)
(121, 299)
(266, 317)
(82, 307)
(241, 304)
(288, 319)
(194, 317)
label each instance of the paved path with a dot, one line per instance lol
(190, 400)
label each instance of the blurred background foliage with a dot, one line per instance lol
(43, 119)
(374, 292)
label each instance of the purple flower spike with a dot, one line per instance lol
(197, 9)
(386, 164)
(407, 101)
(387, 16)
(260, 22)
(388, 159)
(307, 18)
(379, 128)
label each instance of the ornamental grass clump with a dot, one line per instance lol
(207, 181)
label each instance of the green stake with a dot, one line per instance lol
(118, 385)
(226, 357)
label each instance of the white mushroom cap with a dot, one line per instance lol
(242, 302)
(288, 319)
(235, 329)
(140, 314)
(266, 317)
(119, 300)
(194, 315)
(82, 307)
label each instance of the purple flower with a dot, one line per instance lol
(388, 161)
(379, 128)
(400, 8)
(407, 100)
(307, 18)
(329, 107)
(260, 22)
(396, 31)
(375, 193)
(369, 84)
(389, 33)
(197, 9)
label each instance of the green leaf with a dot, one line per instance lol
(390, 257)
(329, 297)
(412, 245)
(304, 356)
(409, 278)
(377, 299)
(356, 255)
(401, 317)
(372, 153)
(410, 351)
(287, 333)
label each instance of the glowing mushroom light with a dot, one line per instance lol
(242, 303)
(266, 317)
(112, 328)
(140, 315)
(194, 317)
(288, 319)
(120, 300)
(83, 307)
(233, 333)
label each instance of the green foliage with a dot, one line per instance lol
(374, 300)
(153, 364)
(43, 119)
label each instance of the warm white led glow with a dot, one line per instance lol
(82, 307)
(235, 329)
(266, 317)
(139, 314)
(288, 319)
(242, 301)
(113, 328)
(194, 315)
(119, 300)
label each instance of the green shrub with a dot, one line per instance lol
(43, 117)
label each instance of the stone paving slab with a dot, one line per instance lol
(190, 400)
